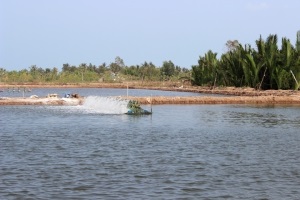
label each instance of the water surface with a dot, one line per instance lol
(180, 152)
(42, 92)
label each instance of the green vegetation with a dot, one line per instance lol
(263, 67)
(115, 72)
(266, 67)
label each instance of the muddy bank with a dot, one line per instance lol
(234, 91)
(40, 101)
(295, 100)
(231, 95)
(292, 100)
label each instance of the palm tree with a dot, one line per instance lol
(271, 57)
(298, 41)
(282, 75)
(232, 70)
(207, 69)
(251, 68)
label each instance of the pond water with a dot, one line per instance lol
(94, 151)
(42, 92)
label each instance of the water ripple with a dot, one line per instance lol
(230, 153)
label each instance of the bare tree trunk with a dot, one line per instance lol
(262, 79)
(215, 81)
(295, 78)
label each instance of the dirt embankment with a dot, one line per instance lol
(219, 100)
(228, 95)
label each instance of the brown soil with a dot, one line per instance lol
(294, 100)
(230, 95)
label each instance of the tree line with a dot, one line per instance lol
(116, 71)
(265, 67)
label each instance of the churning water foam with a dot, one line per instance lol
(104, 105)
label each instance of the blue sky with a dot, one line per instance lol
(49, 33)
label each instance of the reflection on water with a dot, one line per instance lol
(180, 152)
(250, 115)
(267, 116)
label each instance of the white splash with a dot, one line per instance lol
(104, 105)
